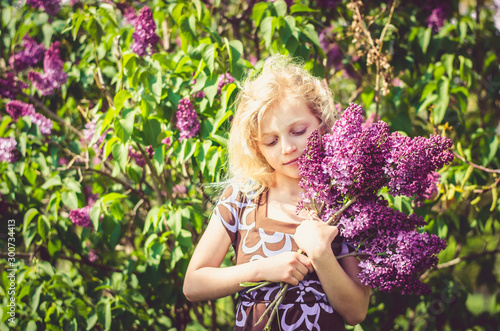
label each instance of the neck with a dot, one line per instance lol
(288, 189)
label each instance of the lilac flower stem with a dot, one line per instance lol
(274, 306)
(355, 254)
(335, 217)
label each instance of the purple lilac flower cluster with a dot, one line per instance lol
(332, 50)
(411, 165)
(81, 217)
(16, 109)
(145, 37)
(187, 119)
(328, 4)
(167, 141)
(127, 11)
(137, 156)
(224, 80)
(8, 151)
(439, 10)
(53, 76)
(10, 86)
(351, 164)
(29, 56)
(51, 7)
(93, 256)
(88, 133)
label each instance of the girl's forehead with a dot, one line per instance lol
(283, 114)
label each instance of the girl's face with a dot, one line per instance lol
(283, 136)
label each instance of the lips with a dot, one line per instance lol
(292, 161)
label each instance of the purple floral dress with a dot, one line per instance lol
(255, 236)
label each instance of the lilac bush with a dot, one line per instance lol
(342, 174)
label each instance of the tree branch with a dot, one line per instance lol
(458, 260)
(127, 185)
(496, 171)
(53, 115)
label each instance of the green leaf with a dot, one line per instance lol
(151, 218)
(108, 11)
(46, 268)
(107, 316)
(298, 8)
(311, 34)
(95, 213)
(210, 88)
(91, 321)
(281, 7)
(120, 98)
(151, 129)
(28, 217)
(95, 30)
(77, 19)
(267, 29)
(43, 227)
(125, 126)
(199, 8)
(23, 142)
(110, 197)
(120, 154)
(156, 86)
(424, 38)
(493, 148)
(447, 60)
(258, 11)
(69, 199)
(72, 185)
(174, 221)
(209, 54)
(108, 146)
(219, 139)
(429, 88)
(213, 160)
(443, 100)
(188, 28)
(429, 99)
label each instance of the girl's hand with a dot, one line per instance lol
(288, 267)
(314, 237)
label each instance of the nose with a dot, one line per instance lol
(287, 146)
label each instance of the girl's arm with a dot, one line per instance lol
(347, 295)
(205, 280)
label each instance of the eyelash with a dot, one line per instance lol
(294, 133)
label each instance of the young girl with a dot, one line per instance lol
(256, 214)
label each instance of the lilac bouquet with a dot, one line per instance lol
(342, 174)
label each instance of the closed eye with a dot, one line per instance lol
(272, 143)
(299, 132)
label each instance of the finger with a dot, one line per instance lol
(306, 262)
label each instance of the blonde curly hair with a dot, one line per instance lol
(281, 77)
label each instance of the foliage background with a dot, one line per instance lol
(420, 73)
